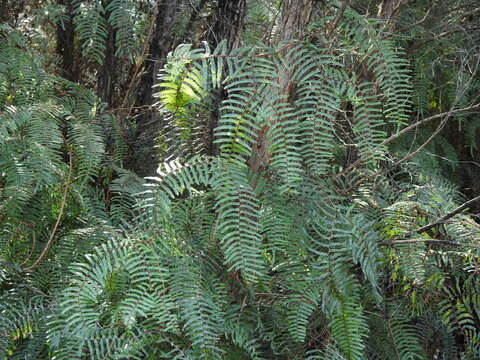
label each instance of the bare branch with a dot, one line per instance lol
(416, 241)
(448, 215)
(411, 127)
(333, 25)
(434, 117)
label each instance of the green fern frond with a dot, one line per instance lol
(239, 222)
(121, 17)
(349, 329)
(91, 25)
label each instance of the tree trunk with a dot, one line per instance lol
(160, 45)
(66, 45)
(296, 15)
(142, 157)
(107, 76)
(229, 25)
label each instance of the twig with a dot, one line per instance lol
(406, 28)
(31, 250)
(447, 216)
(421, 122)
(59, 218)
(414, 241)
(425, 143)
(407, 129)
(333, 25)
(427, 227)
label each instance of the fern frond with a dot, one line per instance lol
(349, 329)
(121, 17)
(239, 222)
(91, 25)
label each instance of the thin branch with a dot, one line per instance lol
(421, 122)
(333, 25)
(427, 227)
(59, 218)
(446, 114)
(31, 250)
(426, 142)
(448, 215)
(416, 241)
(412, 26)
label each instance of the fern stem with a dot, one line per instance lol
(393, 338)
(59, 218)
(31, 250)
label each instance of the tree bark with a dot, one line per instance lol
(107, 76)
(160, 45)
(296, 15)
(66, 44)
(229, 25)
(142, 157)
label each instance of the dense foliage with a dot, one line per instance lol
(314, 164)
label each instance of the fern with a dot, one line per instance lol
(122, 16)
(273, 248)
(349, 328)
(91, 25)
(239, 231)
(51, 151)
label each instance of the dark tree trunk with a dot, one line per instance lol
(66, 44)
(161, 43)
(10, 10)
(229, 25)
(107, 76)
(142, 157)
